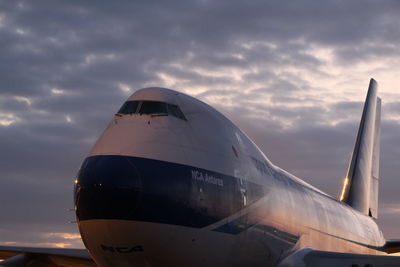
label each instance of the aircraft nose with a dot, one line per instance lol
(107, 187)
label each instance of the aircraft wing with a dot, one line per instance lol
(49, 257)
(308, 257)
(392, 246)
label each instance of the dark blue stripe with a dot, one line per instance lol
(140, 189)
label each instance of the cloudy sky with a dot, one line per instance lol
(292, 74)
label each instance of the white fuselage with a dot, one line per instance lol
(159, 190)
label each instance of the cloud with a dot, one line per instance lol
(36, 236)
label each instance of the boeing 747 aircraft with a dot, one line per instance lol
(172, 182)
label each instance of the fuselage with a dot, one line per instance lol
(172, 182)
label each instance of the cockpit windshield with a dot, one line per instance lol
(154, 108)
(129, 107)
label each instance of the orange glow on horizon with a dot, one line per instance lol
(64, 235)
(61, 245)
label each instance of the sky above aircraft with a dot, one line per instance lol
(292, 75)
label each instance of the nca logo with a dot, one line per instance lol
(122, 249)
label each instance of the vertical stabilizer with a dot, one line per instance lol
(360, 189)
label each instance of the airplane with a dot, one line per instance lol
(173, 182)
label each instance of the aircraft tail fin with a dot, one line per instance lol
(361, 185)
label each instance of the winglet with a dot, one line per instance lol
(360, 189)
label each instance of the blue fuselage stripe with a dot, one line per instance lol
(140, 189)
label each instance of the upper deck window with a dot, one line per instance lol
(155, 108)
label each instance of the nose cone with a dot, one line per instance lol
(108, 187)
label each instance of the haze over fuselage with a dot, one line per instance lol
(172, 182)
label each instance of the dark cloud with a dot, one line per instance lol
(62, 66)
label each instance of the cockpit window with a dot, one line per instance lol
(129, 107)
(174, 110)
(155, 108)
